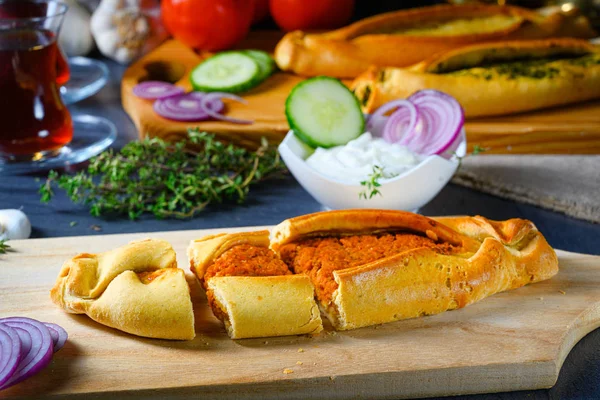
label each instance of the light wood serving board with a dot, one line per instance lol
(511, 341)
(564, 130)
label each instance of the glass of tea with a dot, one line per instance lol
(34, 122)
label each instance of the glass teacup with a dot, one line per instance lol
(34, 122)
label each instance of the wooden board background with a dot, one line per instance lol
(568, 130)
(511, 341)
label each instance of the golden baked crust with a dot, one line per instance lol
(265, 306)
(491, 257)
(364, 221)
(203, 252)
(349, 51)
(114, 289)
(254, 306)
(468, 75)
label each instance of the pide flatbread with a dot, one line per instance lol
(403, 38)
(266, 305)
(494, 78)
(359, 267)
(250, 289)
(136, 288)
(376, 266)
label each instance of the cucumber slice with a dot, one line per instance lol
(266, 64)
(323, 112)
(231, 71)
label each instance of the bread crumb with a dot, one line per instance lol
(331, 378)
(300, 350)
(562, 292)
(266, 342)
(541, 298)
(288, 371)
(299, 363)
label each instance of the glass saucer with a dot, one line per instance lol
(87, 77)
(91, 135)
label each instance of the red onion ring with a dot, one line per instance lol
(188, 107)
(59, 335)
(376, 122)
(402, 122)
(10, 352)
(208, 98)
(452, 149)
(40, 352)
(152, 90)
(442, 119)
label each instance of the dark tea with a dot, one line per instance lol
(33, 118)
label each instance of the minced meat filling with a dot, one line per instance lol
(148, 276)
(243, 260)
(247, 260)
(319, 257)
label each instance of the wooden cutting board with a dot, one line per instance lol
(511, 341)
(564, 130)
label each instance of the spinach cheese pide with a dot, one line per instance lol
(494, 79)
(403, 38)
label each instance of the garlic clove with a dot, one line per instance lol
(108, 42)
(126, 29)
(75, 37)
(14, 225)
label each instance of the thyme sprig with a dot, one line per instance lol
(371, 184)
(4, 247)
(477, 149)
(167, 179)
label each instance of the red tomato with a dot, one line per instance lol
(261, 10)
(311, 14)
(208, 24)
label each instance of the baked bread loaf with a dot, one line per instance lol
(403, 38)
(494, 78)
(136, 288)
(250, 289)
(376, 266)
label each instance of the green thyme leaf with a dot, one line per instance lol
(168, 180)
(4, 247)
(477, 149)
(371, 184)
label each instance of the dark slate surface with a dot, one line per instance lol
(275, 201)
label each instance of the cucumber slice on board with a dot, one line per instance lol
(323, 112)
(266, 64)
(231, 71)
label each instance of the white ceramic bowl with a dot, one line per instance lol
(408, 191)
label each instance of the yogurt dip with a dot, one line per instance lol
(354, 162)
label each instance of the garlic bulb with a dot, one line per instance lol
(14, 225)
(75, 37)
(126, 29)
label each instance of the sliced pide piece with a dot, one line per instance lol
(376, 266)
(402, 38)
(494, 79)
(250, 289)
(136, 288)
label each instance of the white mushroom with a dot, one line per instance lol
(14, 225)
